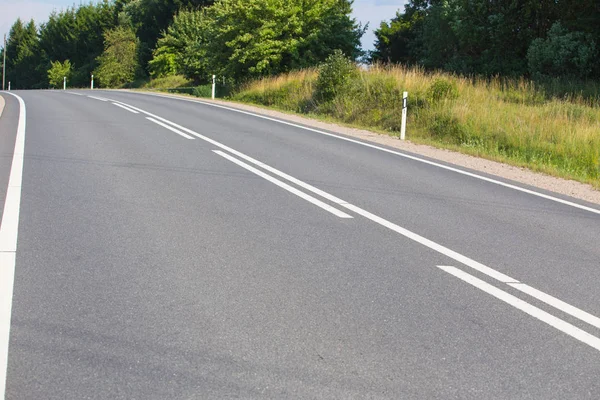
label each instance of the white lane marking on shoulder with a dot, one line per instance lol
(556, 303)
(414, 158)
(76, 94)
(98, 98)
(522, 305)
(170, 128)
(9, 229)
(125, 108)
(285, 186)
(381, 221)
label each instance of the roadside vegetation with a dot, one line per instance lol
(507, 120)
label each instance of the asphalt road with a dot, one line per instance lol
(207, 254)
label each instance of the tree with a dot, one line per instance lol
(393, 40)
(262, 37)
(182, 48)
(118, 64)
(77, 34)
(562, 54)
(23, 57)
(150, 18)
(58, 71)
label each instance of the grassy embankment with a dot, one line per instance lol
(508, 121)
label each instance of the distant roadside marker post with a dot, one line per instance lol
(92, 83)
(404, 109)
(214, 83)
(9, 86)
(65, 83)
(4, 63)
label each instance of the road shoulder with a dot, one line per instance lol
(1, 105)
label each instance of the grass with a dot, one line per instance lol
(542, 127)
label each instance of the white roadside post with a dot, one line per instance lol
(404, 109)
(9, 86)
(214, 86)
(92, 84)
(65, 83)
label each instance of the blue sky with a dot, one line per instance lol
(371, 11)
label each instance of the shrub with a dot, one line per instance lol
(58, 71)
(334, 76)
(442, 89)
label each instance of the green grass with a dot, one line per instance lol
(542, 127)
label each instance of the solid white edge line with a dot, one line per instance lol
(98, 98)
(285, 186)
(170, 128)
(125, 108)
(565, 307)
(558, 304)
(533, 311)
(414, 158)
(9, 229)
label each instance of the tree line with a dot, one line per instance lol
(121, 41)
(540, 39)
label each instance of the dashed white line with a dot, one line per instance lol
(75, 94)
(170, 128)
(125, 108)
(98, 98)
(9, 229)
(285, 186)
(535, 312)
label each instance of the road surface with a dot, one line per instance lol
(173, 249)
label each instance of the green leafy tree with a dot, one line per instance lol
(261, 37)
(58, 71)
(563, 54)
(77, 34)
(394, 40)
(182, 48)
(150, 18)
(118, 64)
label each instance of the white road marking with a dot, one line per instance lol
(98, 98)
(285, 186)
(499, 276)
(558, 304)
(414, 158)
(170, 128)
(9, 229)
(125, 108)
(535, 312)
(76, 94)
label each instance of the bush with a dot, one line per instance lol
(334, 76)
(57, 72)
(442, 89)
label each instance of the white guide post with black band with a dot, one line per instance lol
(214, 83)
(404, 109)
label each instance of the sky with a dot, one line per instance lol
(365, 11)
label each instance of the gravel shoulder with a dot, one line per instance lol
(522, 175)
(1, 105)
